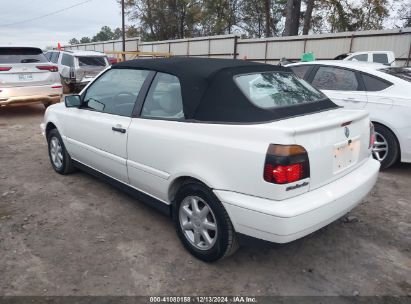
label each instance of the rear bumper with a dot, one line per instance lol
(287, 220)
(31, 95)
(79, 82)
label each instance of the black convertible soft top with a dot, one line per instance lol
(210, 94)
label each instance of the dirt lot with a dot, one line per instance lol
(75, 235)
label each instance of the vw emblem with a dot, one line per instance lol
(346, 132)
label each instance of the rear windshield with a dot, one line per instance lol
(21, 55)
(277, 89)
(91, 61)
(403, 73)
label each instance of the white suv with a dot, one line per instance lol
(222, 146)
(26, 77)
(77, 68)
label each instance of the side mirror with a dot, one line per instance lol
(72, 101)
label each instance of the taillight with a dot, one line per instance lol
(5, 69)
(372, 136)
(72, 74)
(50, 68)
(286, 164)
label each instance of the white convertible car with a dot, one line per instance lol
(383, 91)
(222, 146)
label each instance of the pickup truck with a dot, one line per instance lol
(384, 57)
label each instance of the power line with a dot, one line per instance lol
(46, 15)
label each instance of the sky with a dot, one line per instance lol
(83, 20)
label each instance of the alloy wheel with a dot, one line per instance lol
(56, 152)
(198, 222)
(380, 148)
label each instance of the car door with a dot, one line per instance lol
(302, 71)
(374, 87)
(66, 65)
(343, 86)
(97, 131)
(150, 148)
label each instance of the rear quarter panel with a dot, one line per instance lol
(392, 109)
(224, 157)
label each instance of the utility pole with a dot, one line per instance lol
(123, 29)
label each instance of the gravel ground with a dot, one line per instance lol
(75, 235)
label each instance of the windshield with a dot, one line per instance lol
(91, 61)
(21, 55)
(277, 89)
(403, 73)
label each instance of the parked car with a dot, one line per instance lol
(112, 60)
(223, 146)
(384, 57)
(26, 77)
(77, 68)
(381, 90)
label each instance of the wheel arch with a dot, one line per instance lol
(50, 126)
(180, 181)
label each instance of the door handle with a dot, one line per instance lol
(118, 129)
(351, 100)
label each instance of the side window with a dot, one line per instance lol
(54, 57)
(48, 55)
(301, 70)
(374, 83)
(164, 98)
(361, 57)
(116, 91)
(332, 78)
(67, 60)
(380, 58)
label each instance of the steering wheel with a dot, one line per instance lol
(124, 93)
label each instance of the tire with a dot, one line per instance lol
(67, 88)
(223, 237)
(386, 148)
(59, 157)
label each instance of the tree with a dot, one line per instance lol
(105, 34)
(370, 15)
(117, 34)
(132, 31)
(252, 17)
(404, 14)
(85, 40)
(308, 16)
(165, 19)
(292, 18)
(174, 19)
(350, 15)
(260, 18)
(267, 4)
(73, 41)
(219, 17)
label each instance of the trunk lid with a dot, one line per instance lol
(22, 63)
(336, 142)
(25, 74)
